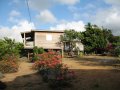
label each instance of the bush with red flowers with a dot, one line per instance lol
(9, 64)
(53, 70)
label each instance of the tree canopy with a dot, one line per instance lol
(95, 39)
(9, 46)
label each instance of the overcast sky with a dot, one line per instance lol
(57, 15)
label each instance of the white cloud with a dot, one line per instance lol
(109, 18)
(40, 4)
(4, 32)
(8, 32)
(14, 13)
(13, 16)
(23, 25)
(13, 19)
(113, 2)
(13, 2)
(73, 9)
(46, 4)
(79, 14)
(16, 1)
(76, 25)
(46, 16)
(68, 2)
(14, 31)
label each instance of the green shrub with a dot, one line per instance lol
(117, 51)
(37, 51)
(34, 58)
(9, 46)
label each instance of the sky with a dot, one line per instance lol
(57, 15)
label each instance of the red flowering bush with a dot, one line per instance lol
(53, 70)
(47, 60)
(9, 64)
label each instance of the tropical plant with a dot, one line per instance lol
(9, 46)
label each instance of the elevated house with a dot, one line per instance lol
(42, 38)
(46, 39)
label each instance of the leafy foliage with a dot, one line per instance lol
(94, 39)
(117, 51)
(9, 46)
(113, 43)
(37, 51)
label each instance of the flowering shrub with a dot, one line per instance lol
(9, 64)
(53, 70)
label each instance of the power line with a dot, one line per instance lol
(28, 10)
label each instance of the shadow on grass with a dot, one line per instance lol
(94, 61)
(97, 79)
(85, 80)
(2, 85)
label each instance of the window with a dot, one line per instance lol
(49, 37)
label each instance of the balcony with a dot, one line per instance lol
(29, 44)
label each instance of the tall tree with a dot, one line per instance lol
(94, 39)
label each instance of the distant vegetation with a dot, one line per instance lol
(96, 40)
(9, 47)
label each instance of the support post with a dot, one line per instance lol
(28, 55)
(62, 50)
(24, 40)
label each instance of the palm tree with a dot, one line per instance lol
(9, 46)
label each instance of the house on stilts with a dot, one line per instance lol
(46, 39)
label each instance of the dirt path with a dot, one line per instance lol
(24, 79)
(91, 75)
(24, 69)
